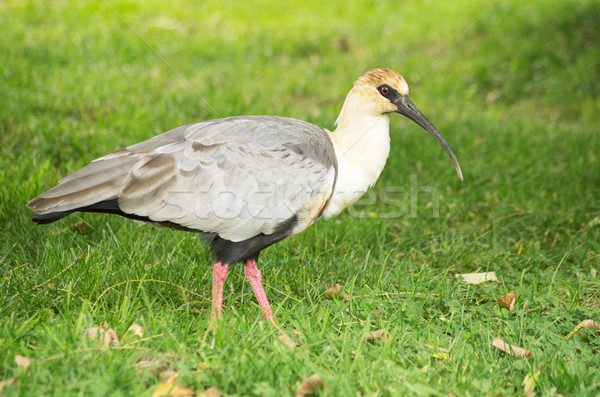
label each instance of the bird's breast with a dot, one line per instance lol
(361, 156)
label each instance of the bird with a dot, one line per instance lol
(244, 183)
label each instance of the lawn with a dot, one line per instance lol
(513, 86)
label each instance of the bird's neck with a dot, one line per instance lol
(362, 145)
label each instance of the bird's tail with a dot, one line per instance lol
(93, 188)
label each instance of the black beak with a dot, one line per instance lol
(408, 109)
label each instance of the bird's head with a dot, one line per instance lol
(383, 91)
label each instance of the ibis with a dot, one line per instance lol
(244, 183)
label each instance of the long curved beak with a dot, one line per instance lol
(408, 109)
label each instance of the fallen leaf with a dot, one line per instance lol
(169, 388)
(288, 341)
(22, 361)
(210, 392)
(529, 383)
(136, 330)
(510, 349)
(103, 333)
(380, 334)
(81, 226)
(507, 301)
(334, 291)
(588, 324)
(311, 385)
(8, 382)
(477, 278)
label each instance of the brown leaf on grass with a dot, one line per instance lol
(334, 291)
(288, 341)
(507, 301)
(477, 278)
(510, 349)
(169, 388)
(587, 324)
(380, 334)
(210, 392)
(136, 330)
(22, 361)
(81, 226)
(311, 385)
(104, 333)
(8, 382)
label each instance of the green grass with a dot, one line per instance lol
(517, 95)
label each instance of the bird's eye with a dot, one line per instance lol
(384, 90)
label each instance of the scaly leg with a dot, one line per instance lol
(255, 278)
(219, 277)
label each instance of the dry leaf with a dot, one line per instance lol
(81, 226)
(334, 291)
(105, 334)
(588, 324)
(22, 361)
(8, 382)
(169, 388)
(510, 349)
(477, 278)
(210, 392)
(288, 341)
(311, 385)
(380, 334)
(136, 330)
(507, 301)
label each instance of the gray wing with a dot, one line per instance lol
(237, 177)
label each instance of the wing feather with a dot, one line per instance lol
(237, 177)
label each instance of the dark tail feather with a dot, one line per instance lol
(44, 219)
(108, 206)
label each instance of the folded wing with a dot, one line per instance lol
(236, 177)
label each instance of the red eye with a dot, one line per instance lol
(385, 90)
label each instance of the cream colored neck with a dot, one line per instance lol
(362, 145)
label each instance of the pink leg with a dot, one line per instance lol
(219, 276)
(255, 278)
